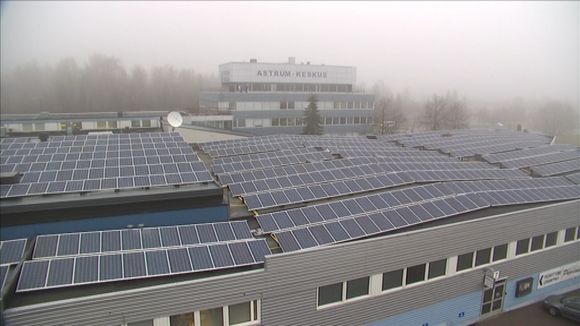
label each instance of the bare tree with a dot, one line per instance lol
(433, 116)
(389, 115)
(556, 119)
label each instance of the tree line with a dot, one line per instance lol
(102, 84)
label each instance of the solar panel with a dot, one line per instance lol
(68, 166)
(100, 268)
(73, 244)
(557, 168)
(12, 251)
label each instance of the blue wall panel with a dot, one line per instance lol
(183, 216)
(457, 311)
(511, 301)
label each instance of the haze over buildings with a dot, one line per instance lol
(486, 51)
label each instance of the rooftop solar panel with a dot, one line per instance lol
(100, 268)
(12, 251)
(83, 243)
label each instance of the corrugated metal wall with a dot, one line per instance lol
(287, 285)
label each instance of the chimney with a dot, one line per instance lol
(253, 60)
(291, 60)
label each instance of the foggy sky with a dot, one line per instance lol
(486, 51)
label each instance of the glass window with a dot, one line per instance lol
(437, 268)
(357, 288)
(523, 246)
(291, 104)
(275, 122)
(464, 261)
(181, 320)
(291, 121)
(27, 126)
(551, 239)
(39, 126)
(101, 124)
(335, 120)
(482, 256)
(283, 105)
(392, 279)
(342, 120)
(500, 252)
(415, 274)
(537, 242)
(329, 294)
(570, 234)
(212, 317)
(283, 121)
(142, 323)
(135, 124)
(240, 313)
(336, 105)
(112, 124)
(328, 120)
(356, 120)
(146, 123)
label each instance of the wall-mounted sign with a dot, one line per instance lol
(524, 287)
(559, 274)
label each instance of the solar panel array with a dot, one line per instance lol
(526, 153)
(270, 162)
(140, 264)
(308, 193)
(542, 159)
(312, 214)
(84, 243)
(557, 168)
(349, 172)
(261, 156)
(11, 253)
(364, 225)
(83, 163)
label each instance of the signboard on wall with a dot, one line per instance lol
(559, 274)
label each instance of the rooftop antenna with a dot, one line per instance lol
(175, 119)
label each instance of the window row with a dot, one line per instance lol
(400, 278)
(288, 87)
(292, 105)
(299, 121)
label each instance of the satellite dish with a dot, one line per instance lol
(175, 119)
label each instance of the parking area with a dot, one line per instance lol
(532, 315)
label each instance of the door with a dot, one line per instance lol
(493, 299)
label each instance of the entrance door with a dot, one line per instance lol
(493, 299)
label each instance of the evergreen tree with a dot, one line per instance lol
(312, 118)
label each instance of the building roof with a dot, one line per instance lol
(303, 192)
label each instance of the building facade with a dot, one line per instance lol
(270, 98)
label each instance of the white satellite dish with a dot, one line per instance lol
(175, 119)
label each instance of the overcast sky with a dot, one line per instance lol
(487, 50)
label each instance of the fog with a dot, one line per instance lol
(486, 51)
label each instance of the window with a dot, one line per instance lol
(392, 279)
(415, 274)
(39, 126)
(135, 124)
(241, 122)
(570, 234)
(101, 124)
(342, 120)
(357, 288)
(283, 121)
(500, 252)
(291, 121)
(232, 105)
(551, 239)
(329, 294)
(437, 268)
(335, 120)
(464, 261)
(142, 323)
(537, 242)
(212, 317)
(112, 124)
(27, 126)
(146, 123)
(243, 312)
(291, 104)
(63, 125)
(482, 256)
(336, 105)
(283, 105)
(523, 246)
(356, 120)
(181, 320)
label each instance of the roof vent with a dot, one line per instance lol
(253, 60)
(9, 177)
